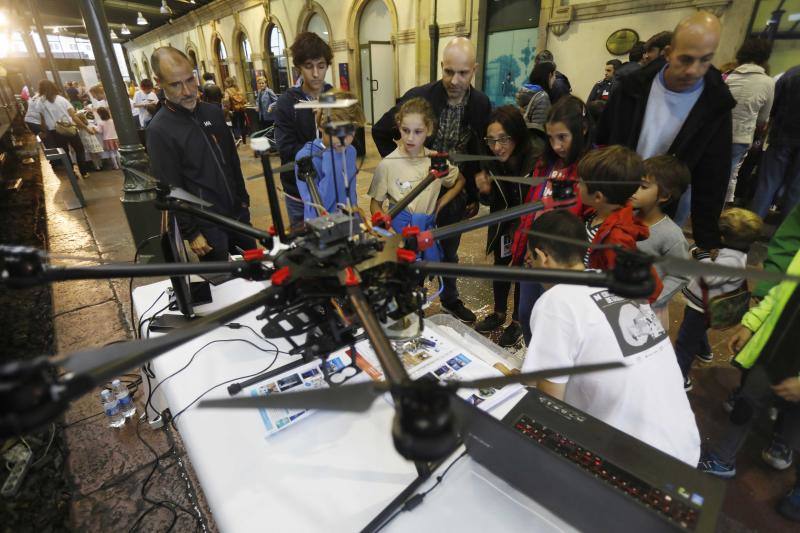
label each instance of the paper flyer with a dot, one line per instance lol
(436, 356)
(305, 376)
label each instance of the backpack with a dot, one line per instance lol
(237, 101)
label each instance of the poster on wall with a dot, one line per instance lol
(344, 76)
(509, 60)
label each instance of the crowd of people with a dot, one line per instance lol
(659, 142)
(662, 139)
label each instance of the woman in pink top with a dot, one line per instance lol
(106, 127)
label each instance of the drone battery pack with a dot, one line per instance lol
(168, 321)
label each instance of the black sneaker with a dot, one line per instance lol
(490, 323)
(460, 311)
(511, 336)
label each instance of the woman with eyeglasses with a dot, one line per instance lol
(507, 138)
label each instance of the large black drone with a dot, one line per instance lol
(339, 275)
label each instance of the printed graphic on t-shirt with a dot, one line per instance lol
(635, 326)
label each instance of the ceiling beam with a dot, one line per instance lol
(131, 6)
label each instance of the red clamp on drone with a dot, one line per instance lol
(439, 166)
(425, 240)
(253, 255)
(406, 256)
(351, 279)
(281, 276)
(381, 220)
(410, 231)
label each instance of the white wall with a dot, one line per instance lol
(581, 52)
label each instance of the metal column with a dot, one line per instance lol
(24, 22)
(138, 194)
(37, 20)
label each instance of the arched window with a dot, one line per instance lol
(246, 64)
(192, 58)
(279, 63)
(316, 24)
(221, 55)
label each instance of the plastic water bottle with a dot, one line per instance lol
(126, 405)
(111, 407)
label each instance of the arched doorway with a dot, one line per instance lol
(376, 55)
(136, 73)
(248, 85)
(146, 66)
(279, 63)
(190, 53)
(221, 57)
(316, 23)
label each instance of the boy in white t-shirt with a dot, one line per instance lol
(578, 325)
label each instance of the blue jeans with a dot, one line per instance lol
(738, 151)
(295, 210)
(692, 339)
(684, 208)
(528, 294)
(780, 167)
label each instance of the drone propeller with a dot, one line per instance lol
(359, 397)
(176, 193)
(453, 157)
(538, 181)
(676, 265)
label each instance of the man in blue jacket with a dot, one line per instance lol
(461, 112)
(295, 127)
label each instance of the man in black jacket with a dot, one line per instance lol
(191, 147)
(295, 127)
(461, 112)
(682, 107)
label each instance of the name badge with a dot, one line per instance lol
(505, 246)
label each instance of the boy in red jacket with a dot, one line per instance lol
(608, 213)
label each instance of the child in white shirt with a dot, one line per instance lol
(398, 173)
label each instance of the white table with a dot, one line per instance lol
(332, 472)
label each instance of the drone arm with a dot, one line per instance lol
(514, 274)
(499, 216)
(411, 196)
(239, 227)
(392, 366)
(272, 197)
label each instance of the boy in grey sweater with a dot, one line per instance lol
(662, 186)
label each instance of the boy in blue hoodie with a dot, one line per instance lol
(330, 156)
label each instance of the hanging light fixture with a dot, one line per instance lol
(113, 34)
(124, 30)
(140, 20)
(165, 9)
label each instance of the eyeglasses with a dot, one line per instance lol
(502, 141)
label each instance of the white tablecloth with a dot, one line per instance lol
(332, 472)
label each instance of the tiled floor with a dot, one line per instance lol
(108, 467)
